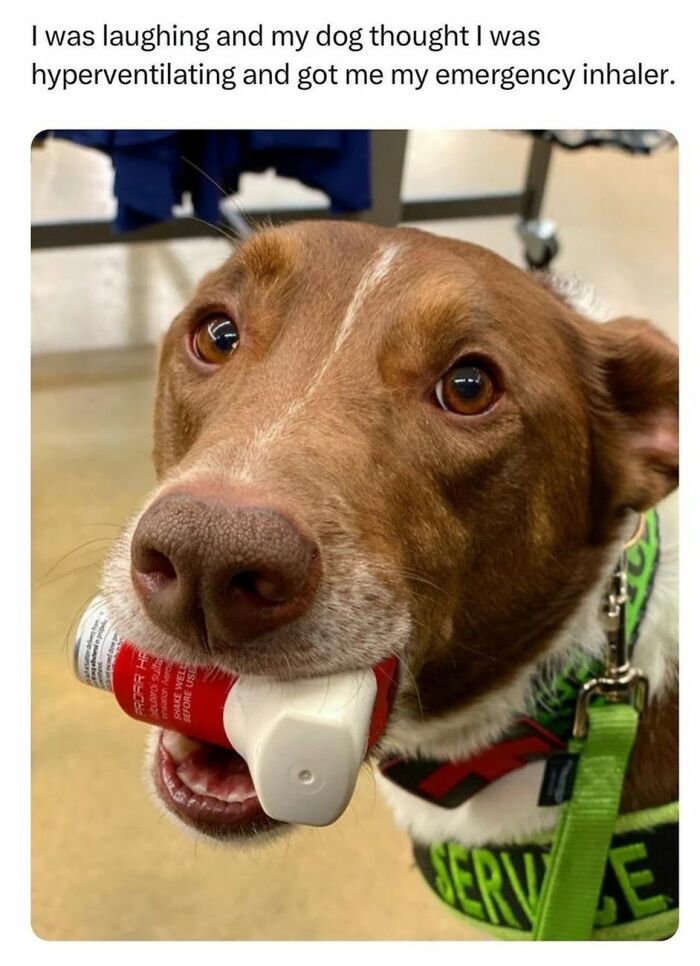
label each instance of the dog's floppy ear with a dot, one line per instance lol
(639, 437)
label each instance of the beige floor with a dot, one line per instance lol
(106, 865)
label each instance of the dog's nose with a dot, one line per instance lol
(226, 570)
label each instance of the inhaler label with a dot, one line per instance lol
(96, 646)
(186, 699)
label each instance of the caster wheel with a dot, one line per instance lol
(541, 242)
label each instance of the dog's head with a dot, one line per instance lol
(374, 442)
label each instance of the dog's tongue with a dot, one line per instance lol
(208, 770)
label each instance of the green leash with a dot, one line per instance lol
(605, 727)
(579, 853)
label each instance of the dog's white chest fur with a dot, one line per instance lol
(507, 810)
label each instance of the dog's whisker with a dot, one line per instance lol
(204, 174)
(68, 573)
(217, 227)
(477, 652)
(248, 226)
(73, 626)
(81, 546)
(373, 779)
(227, 196)
(412, 680)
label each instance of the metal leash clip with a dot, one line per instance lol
(619, 681)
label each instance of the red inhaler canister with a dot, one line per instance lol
(149, 688)
(303, 741)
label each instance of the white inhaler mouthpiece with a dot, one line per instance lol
(304, 741)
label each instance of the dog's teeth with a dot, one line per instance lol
(235, 797)
(200, 787)
(179, 746)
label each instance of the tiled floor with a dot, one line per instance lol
(106, 865)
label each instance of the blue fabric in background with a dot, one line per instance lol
(151, 169)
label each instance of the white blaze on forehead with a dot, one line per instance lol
(373, 275)
(376, 271)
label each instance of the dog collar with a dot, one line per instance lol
(497, 888)
(543, 733)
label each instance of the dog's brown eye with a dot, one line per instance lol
(215, 339)
(467, 389)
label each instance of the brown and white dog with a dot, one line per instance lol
(374, 442)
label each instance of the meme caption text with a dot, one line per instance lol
(254, 56)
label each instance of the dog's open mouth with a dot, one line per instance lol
(299, 743)
(207, 787)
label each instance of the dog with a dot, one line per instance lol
(374, 442)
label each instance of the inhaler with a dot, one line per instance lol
(304, 741)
